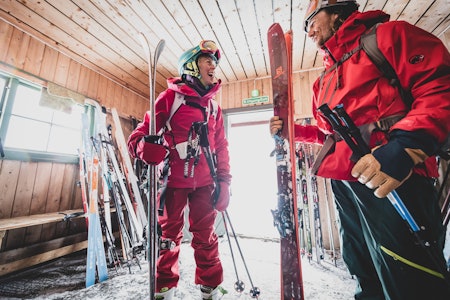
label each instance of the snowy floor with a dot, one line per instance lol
(64, 278)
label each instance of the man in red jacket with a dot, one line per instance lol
(377, 245)
(191, 136)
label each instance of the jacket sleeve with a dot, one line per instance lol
(422, 64)
(221, 150)
(309, 134)
(162, 109)
(140, 131)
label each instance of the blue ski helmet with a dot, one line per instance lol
(187, 64)
(316, 5)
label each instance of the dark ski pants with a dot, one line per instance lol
(204, 240)
(379, 248)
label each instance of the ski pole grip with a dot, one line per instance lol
(352, 128)
(331, 117)
(343, 132)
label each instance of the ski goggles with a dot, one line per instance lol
(316, 5)
(208, 46)
(313, 8)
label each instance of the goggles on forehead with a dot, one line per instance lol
(208, 46)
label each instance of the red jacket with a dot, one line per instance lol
(368, 97)
(181, 123)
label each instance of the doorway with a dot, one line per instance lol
(254, 183)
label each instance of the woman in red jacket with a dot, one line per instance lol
(186, 115)
(377, 245)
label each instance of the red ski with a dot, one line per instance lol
(286, 214)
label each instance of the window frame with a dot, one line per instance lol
(6, 103)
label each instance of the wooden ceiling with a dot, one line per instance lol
(104, 34)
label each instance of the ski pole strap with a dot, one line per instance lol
(328, 145)
(335, 122)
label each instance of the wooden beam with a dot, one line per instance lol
(40, 258)
(38, 248)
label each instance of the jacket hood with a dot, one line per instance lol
(347, 36)
(179, 86)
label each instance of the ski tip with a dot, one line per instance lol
(161, 43)
(159, 48)
(274, 25)
(144, 43)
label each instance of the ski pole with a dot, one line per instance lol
(353, 132)
(239, 285)
(254, 291)
(202, 131)
(344, 126)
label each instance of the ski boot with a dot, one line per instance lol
(165, 294)
(212, 293)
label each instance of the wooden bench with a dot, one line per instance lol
(39, 219)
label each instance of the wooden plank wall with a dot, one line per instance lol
(29, 188)
(27, 57)
(232, 94)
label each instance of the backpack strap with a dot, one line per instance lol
(179, 100)
(213, 107)
(369, 44)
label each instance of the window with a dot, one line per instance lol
(30, 130)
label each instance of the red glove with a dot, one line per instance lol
(151, 150)
(224, 196)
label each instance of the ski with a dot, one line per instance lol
(304, 203)
(152, 184)
(84, 160)
(314, 189)
(286, 213)
(129, 171)
(96, 259)
(89, 165)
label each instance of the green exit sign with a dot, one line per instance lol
(256, 100)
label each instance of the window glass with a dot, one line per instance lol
(27, 134)
(64, 140)
(27, 126)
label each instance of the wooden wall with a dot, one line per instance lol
(232, 94)
(27, 57)
(34, 188)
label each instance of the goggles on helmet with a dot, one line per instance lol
(210, 47)
(316, 5)
(187, 64)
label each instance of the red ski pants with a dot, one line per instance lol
(204, 240)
